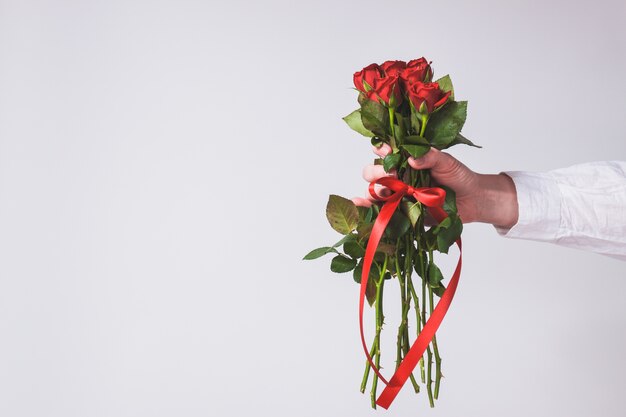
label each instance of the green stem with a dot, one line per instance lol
(408, 269)
(366, 373)
(424, 123)
(392, 113)
(403, 301)
(437, 357)
(429, 354)
(422, 254)
(379, 326)
(434, 341)
(418, 320)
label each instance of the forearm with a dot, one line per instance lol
(497, 203)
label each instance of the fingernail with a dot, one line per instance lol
(418, 161)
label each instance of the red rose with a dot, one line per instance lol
(428, 93)
(386, 89)
(393, 67)
(417, 70)
(367, 75)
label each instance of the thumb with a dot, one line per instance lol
(435, 160)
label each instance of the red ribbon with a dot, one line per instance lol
(433, 198)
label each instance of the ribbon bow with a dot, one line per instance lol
(433, 198)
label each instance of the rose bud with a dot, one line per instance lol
(417, 70)
(387, 90)
(364, 79)
(426, 97)
(393, 67)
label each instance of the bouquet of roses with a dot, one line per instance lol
(404, 113)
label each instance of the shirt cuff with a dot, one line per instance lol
(539, 202)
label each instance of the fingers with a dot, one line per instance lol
(361, 202)
(374, 172)
(447, 170)
(428, 161)
(383, 151)
(379, 190)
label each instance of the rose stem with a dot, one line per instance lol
(435, 347)
(400, 275)
(379, 326)
(436, 350)
(407, 296)
(402, 348)
(419, 323)
(424, 123)
(429, 353)
(425, 179)
(392, 113)
(421, 181)
(366, 374)
(422, 254)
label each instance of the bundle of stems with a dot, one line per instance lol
(414, 295)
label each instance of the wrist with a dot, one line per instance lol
(498, 200)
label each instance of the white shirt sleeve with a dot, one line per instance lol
(582, 207)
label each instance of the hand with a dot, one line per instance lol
(479, 197)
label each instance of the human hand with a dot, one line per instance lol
(479, 197)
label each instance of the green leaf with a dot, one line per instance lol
(369, 215)
(462, 140)
(434, 275)
(438, 291)
(354, 121)
(444, 125)
(446, 236)
(416, 151)
(372, 279)
(342, 264)
(318, 253)
(353, 249)
(402, 124)
(363, 230)
(375, 117)
(449, 205)
(398, 225)
(386, 248)
(445, 84)
(342, 214)
(445, 223)
(391, 161)
(416, 140)
(362, 213)
(420, 263)
(346, 238)
(370, 291)
(416, 122)
(399, 129)
(412, 211)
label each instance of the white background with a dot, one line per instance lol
(164, 166)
